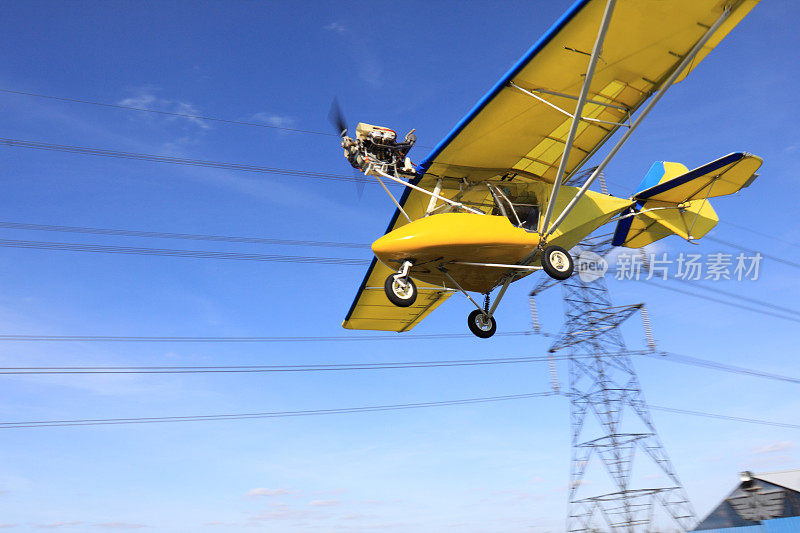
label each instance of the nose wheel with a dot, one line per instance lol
(481, 324)
(400, 289)
(402, 292)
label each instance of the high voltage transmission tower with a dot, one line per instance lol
(610, 421)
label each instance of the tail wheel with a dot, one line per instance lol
(557, 262)
(481, 324)
(402, 292)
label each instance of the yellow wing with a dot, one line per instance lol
(372, 310)
(646, 40)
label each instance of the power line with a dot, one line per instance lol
(168, 235)
(269, 368)
(270, 414)
(83, 150)
(190, 369)
(762, 234)
(723, 302)
(169, 113)
(725, 417)
(193, 254)
(203, 254)
(705, 363)
(746, 249)
(739, 297)
(348, 410)
(340, 338)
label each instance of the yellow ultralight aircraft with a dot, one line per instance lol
(490, 204)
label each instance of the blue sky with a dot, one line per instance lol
(488, 467)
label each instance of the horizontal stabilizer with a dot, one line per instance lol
(726, 175)
(673, 200)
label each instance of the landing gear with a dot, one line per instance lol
(481, 324)
(400, 288)
(557, 262)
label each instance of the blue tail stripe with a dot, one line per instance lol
(623, 227)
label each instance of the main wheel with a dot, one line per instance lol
(481, 324)
(402, 292)
(557, 262)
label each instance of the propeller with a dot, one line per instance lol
(336, 117)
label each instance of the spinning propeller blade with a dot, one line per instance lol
(336, 117)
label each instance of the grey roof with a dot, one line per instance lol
(785, 478)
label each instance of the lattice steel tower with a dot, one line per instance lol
(602, 387)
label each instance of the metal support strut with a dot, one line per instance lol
(662, 89)
(576, 118)
(404, 270)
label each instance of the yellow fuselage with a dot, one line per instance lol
(446, 239)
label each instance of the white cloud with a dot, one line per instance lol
(54, 525)
(145, 98)
(323, 503)
(774, 447)
(336, 27)
(262, 491)
(119, 525)
(279, 121)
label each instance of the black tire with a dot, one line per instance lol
(479, 326)
(557, 262)
(397, 294)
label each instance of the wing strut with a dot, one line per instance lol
(662, 89)
(576, 118)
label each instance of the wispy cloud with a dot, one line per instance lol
(119, 525)
(263, 491)
(54, 525)
(323, 503)
(146, 98)
(336, 27)
(279, 121)
(780, 446)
